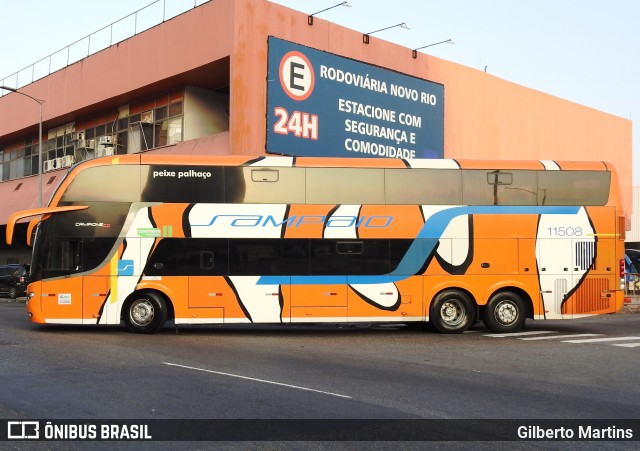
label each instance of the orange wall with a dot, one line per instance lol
(485, 117)
(184, 43)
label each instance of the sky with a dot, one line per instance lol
(584, 51)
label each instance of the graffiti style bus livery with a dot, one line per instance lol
(143, 239)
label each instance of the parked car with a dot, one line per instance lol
(14, 280)
(632, 271)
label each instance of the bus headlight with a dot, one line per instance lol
(29, 296)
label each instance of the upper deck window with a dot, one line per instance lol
(337, 186)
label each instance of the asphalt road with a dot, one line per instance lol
(580, 369)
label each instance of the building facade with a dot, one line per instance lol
(252, 77)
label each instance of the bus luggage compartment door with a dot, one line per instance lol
(319, 303)
(208, 296)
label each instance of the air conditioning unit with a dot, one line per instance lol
(57, 163)
(68, 160)
(77, 136)
(86, 144)
(48, 165)
(82, 154)
(104, 152)
(147, 117)
(105, 140)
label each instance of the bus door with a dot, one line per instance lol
(527, 264)
(99, 279)
(61, 300)
(95, 289)
(76, 275)
(61, 291)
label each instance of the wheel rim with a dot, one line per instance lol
(452, 312)
(506, 313)
(142, 312)
(12, 292)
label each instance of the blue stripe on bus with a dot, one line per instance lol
(422, 247)
(330, 280)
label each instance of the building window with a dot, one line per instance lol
(152, 123)
(12, 162)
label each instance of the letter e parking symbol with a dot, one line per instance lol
(296, 75)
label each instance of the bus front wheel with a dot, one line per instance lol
(452, 312)
(145, 313)
(505, 313)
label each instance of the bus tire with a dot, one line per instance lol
(505, 313)
(452, 312)
(145, 312)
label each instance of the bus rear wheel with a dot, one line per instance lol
(452, 312)
(505, 313)
(145, 313)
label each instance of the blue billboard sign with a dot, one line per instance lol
(321, 104)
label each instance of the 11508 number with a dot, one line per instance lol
(565, 231)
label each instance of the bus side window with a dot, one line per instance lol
(163, 259)
(575, 187)
(423, 186)
(499, 187)
(250, 257)
(95, 251)
(265, 175)
(189, 257)
(345, 186)
(280, 185)
(475, 188)
(329, 257)
(517, 188)
(206, 260)
(349, 247)
(63, 257)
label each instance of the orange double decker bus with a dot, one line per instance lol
(145, 239)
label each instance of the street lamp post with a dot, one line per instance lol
(365, 36)
(310, 18)
(40, 102)
(414, 52)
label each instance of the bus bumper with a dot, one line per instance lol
(34, 303)
(619, 300)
